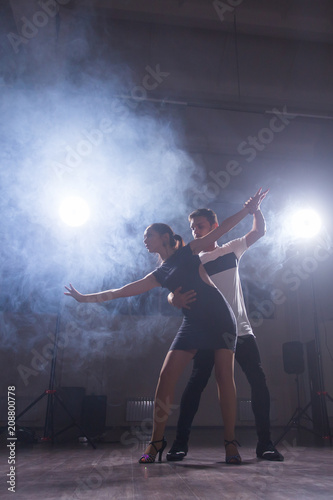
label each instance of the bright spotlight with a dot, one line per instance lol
(74, 211)
(306, 224)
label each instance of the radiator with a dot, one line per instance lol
(245, 412)
(139, 409)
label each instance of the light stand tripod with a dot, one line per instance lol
(294, 364)
(319, 396)
(52, 395)
(318, 393)
(296, 418)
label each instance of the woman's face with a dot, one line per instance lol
(153, 240)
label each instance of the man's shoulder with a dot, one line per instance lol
(237, 246)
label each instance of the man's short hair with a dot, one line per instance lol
(204, 212)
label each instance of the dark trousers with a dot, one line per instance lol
(248, 357)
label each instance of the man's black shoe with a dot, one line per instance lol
(269, 452)
(177, 452)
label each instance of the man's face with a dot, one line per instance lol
(200, 226)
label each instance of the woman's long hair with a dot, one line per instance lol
(175, 240)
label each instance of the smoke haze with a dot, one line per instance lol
(65, 130)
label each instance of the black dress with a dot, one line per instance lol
(210, 322)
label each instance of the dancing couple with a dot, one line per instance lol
(209, 325)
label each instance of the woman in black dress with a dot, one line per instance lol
(210, 324)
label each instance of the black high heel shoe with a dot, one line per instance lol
(232, 459)
(149, 458)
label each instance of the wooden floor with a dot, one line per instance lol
(112, 471)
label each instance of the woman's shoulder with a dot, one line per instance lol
(185, 250)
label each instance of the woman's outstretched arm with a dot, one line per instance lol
(250, 206)
(135, 288)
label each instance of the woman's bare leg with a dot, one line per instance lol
(224, 372)
(173, 366)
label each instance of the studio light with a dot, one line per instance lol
(306, 223)
(74, 211)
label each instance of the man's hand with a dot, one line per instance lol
(182, 300)
(253, 204)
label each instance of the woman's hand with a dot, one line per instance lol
(72, 292)
(92, 297)
(253, 204)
